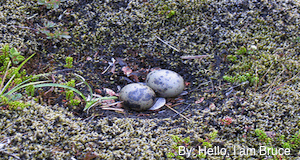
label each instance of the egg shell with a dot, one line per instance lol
(165, 82)
(137, 96)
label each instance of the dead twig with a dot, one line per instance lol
(176, 104)
(280, 85)
(26, 28)
(111, 104)
(166, 43)
(182, 110)
(90, 154)
(275, 80)
(263, 77)
(3, 144)
(10, 154)
(177, 112)
(90, 118)
(288, 80)
(111, 64)
(107, 106)
(272, 84)
(199, 86)
(194, 57)
(113, 109)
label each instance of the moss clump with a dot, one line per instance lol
(17, 105)
(262, 136)
(105, 30)
(69, 62)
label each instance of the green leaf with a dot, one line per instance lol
(22, 83)
(20, 58)
(49, 6)
(5, 49)
(170, 155)
(3, 79)
(15, 61)
(187, 140)
(14, 52)
(21, 65)
(83, 80)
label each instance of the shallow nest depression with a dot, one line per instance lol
(135, 33)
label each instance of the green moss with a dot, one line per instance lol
(262, 136)
(241, 51)
(187, 143)
(30, 90)
(75, 102)
(69, 62)
(102, 30)
(232, 58)
(292, 143)
(17, 105)
(69, 94)
(4, 100)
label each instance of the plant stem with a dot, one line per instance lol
(2, 83)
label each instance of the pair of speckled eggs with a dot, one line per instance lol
(141, 96)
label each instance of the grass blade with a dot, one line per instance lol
(16, 71)
(22, 86)
(3, 79)
(22, 83)
(7, 84)
(83, 80)
(22, 64)
(61, 86)
(91, 102)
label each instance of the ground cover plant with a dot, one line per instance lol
(239, 60)
(16, 81)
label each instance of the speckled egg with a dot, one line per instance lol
(137, 96)
(165, 82)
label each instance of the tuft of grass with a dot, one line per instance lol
(295, 141)
(14, 72)
(179, 142)
(8, 92)
(8, 57)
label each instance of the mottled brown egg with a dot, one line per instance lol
(137, 96)
(165, 82)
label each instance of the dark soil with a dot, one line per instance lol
(52, 55)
